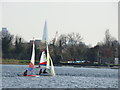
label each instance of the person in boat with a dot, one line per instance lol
(39, 66)
(25, 73)
(44, 71)
(40, 71)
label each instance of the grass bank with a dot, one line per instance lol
(26, 62)
(13, 61)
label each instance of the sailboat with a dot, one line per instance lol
(32, 62)
(46, 61)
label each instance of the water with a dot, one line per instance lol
(66, 77)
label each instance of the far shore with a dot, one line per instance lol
(61, 65)
(26, 62)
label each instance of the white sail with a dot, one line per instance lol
(43, 59)
(49, 61)
(52, 71)
(31, 65)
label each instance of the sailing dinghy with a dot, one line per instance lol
(46, 61)
(32, 62)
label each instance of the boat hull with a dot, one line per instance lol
(29, 75)
(46, 74)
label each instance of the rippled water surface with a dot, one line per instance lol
(66, 77)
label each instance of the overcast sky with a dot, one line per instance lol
(90, 19)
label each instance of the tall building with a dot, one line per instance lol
(4, 31)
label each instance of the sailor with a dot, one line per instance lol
(39, 66)
(44, 71)
(25, 73)
(40, 71)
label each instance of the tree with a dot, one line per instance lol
(74, 38)
(108, 38)
(19, 48)
(108, 48)
(68, 46)
(7, 41)
(62, 40)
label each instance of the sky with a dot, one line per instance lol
(89, 19)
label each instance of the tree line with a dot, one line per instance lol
(68, 47)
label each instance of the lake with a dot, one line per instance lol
(66, 77)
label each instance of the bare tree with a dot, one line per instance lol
(62, 40)
(74, 38)
(7, 40)
(108, 38)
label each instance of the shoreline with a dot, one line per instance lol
(86, 65)
(114, 67)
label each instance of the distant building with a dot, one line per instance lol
(39, 44)
(4, 31)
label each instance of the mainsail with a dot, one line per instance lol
(31, 65)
